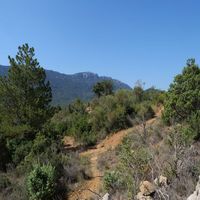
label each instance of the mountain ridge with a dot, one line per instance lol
(68, 87)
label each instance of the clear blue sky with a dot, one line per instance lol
(125, 39)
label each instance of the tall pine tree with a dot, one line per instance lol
(25, 95)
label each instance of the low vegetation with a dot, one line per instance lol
(92, 121)
(170, 151)
(35, 163)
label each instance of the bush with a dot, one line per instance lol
(81, 129)
(76, 168)
(19, 149)
(194, 125)
(4, 182)
(111, 181)
(41, 182)
(156, 96)
(144, 111)
(4, 155)
(89, 122)
(134, 164)
(104, 87)
(183, 95)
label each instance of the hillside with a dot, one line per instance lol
(130, 144)
(104, 147)
(67, 88)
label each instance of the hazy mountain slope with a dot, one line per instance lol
(66, 88)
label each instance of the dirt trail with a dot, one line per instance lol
(90, 188)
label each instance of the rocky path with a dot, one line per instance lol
(90, 188)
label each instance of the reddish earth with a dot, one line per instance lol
(90, 188)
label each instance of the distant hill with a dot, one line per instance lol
(66, 88)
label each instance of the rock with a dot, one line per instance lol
(147, 188)
(161, 181)
(196, 194)
(140, 196)
(105, 197)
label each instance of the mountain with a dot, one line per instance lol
(66, 88)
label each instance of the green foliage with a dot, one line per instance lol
(4, 182)
(111, 181)
(108, 116)
(133, 153)
(24, 104)
(111, 113)
(195, 169)
(157, 97)
(66, 88)
(41, 182)
(78, 124)
(45, 148)
(5, 154)
(19, 149)
(25, 94)
(194, 125)
(81, 130)
(103, 88)
(178, 140)
(144, 111)
(183, 96)
(132, 168)
(138, 92)
(40, 144)
(89, 122)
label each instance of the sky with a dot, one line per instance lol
(129, 40)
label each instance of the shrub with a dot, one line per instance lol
(104, 87)
(134, 164)
(183, 95)
(41, 182)
(4, 182)
(194, 125)
(144, 111)
(111, 181)
(19, 149)
(155, 96)
(4, 155)
(104, 115)
(81, 129)
(76, 168)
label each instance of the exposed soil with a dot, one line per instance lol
(90, 189)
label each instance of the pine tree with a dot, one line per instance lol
(183, 96)
(25, 93)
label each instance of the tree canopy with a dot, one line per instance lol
(183, 97)
(103, 88)
(25, 93)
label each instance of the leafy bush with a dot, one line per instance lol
(133, 165)
(156, 96)
(194, 124)
(111, 181)
(110, 113)
(183, 95)
(144, 111)
(4, 182)
(4, 155)
(41, 182)
(19, 149)
(81, 129)
(104, 87)
(89, 122)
